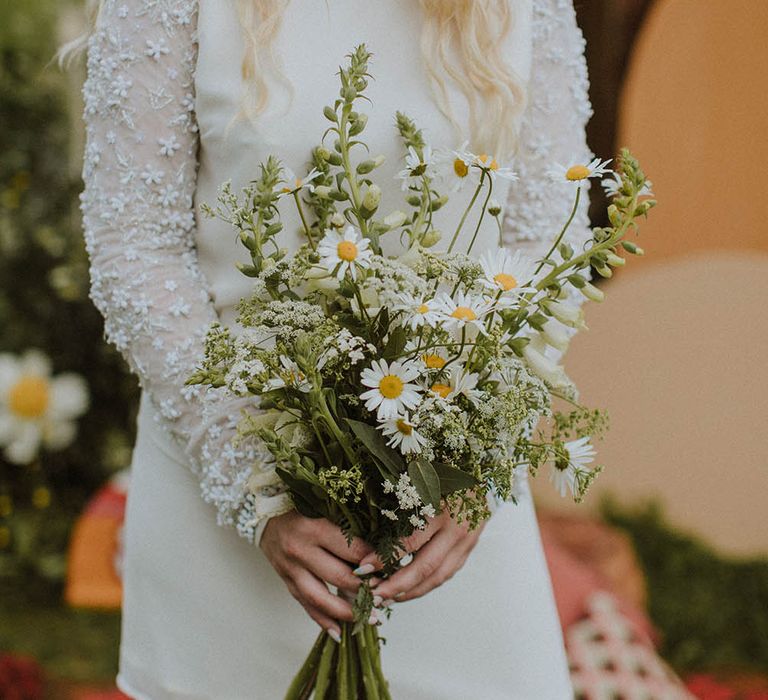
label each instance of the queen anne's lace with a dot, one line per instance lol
(140, 175)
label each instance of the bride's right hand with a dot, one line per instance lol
(305, 552)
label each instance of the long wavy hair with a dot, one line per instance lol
(461, 42)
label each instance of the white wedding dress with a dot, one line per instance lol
(205, 616)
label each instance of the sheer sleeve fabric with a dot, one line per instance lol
(552, 131)
(140, 174)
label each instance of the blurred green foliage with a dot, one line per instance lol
(712, 610)
(44, 300)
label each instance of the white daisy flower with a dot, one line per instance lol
(454, 166)
(342, 252)
(464, 383)
(491, 166)
(565, 471)
(613, 184)
(292, 183)
(416, 166)
(577, 173)
(510, 274)
(36, 409)
(433, 360)
(418, 311)
(289, 375)
(403, 434)
(391, 391)
(463, 311)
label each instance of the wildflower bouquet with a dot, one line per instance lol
(392, 389)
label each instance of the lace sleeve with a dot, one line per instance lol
(552, 131)
(140, 174)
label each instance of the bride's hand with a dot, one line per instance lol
(439, 550)
(305, 552)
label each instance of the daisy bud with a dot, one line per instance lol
(591, 292)
(431, 237)
(615, 260)
(338, 220)
(494, 208)
(395, 220)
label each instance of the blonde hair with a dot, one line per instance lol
(462, 42)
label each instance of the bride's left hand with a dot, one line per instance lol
(439, 550)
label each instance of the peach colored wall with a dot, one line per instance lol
(678, 351)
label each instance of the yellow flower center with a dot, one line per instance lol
(464, 313)
(347, 251)
(577, 172)
(41, 498)
(296, 185)
(423, 308)
(29, 397)
(403, 427)
(505, 281)
(391, 386)
(434, 361)
(485, 158)
(460, 168)
(441, 390)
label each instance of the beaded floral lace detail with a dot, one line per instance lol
(140, 176)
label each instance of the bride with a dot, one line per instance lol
(182, 95)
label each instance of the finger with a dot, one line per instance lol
(412, 543)
(330, 537)
(451, 564)
(314, 594)
(427, 562)
(328, 624)
(331, 569)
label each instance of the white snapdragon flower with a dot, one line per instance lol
(508, 273)
(342, 252)
(544, 368)
(292, 183)
(579, 453)
(464, 311)
(402, 434)
(36, 409)
(577, 173)
(391, 389)
(418, 311)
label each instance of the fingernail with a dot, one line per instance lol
(377, 600)
(364, 570)
(334, 635)
(400, 595)
(407, 559)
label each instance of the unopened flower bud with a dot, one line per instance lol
(338, 220)
(494, 208)
(372, 198)
(554, 334)
(591, 292)
(632, 248)
(431, 237)
(322, 191)
(395, 219)
(615, 260)
(379, 160)
(569, 314)
(438, 203)
(322, 153)
(604, 271)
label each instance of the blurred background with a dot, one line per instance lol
(671, 545)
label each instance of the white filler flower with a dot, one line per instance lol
(391, 391)
(403, 434)
(37, 409)
(507, 273)
(342, 252)
(579, 453)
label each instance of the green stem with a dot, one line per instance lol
(482, 216)
(562, 232)
(352, 178)
(324, 668)
(299, 206)
(304, 679)
(466, 212)
(376, 646)
(366, 666)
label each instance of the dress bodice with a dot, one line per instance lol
(311, 44)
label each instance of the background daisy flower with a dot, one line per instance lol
(565, 470)
(341, 252)
(507, 273)
(36, 409)
(391, 392)
(613, 184)
(416, 165)
(292, 183)
(417, 311)
(577, 173)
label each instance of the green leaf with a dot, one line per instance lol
(302, 495)
(396, 343)
(425, 479)
(452, 479)
(377, 446)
